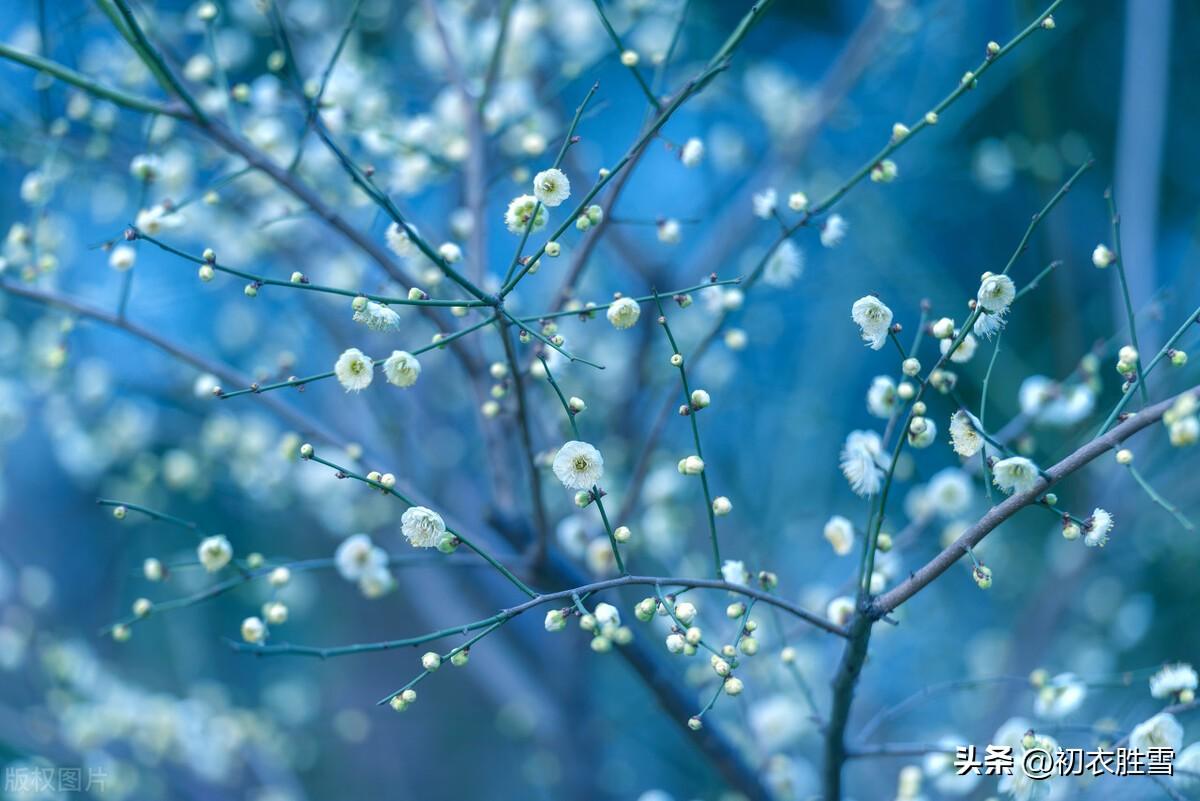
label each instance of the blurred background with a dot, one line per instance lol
(92, 410)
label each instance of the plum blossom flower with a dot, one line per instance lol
(1160, 731)
(578, 465)
(214, 552)
(1172, 680)
(402, 368)
(521, 210)
(551, 187)
(422, 527)
(874, 318)
(1098, 527)
(377, 317)
(357, 556)
(965, 439)
(783, 266)
(1015, 474)
(354, 370)
(833, 232)
(840, 533)
(861, 460)
(624, 313)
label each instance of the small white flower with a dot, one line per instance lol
(214, 552)
(357, 555)
(764, 203)
(996, 293)
(624, 313)
(833, 232)
(1172, 680)
(1098, 527)
(521, 211)
(861, 460)
(122, 257)
(253, 630)
(398, 240)
(734, 571)
(1160, 731)
(840, 533)
(965, 350)
(963, 436)
(922, 431)
(551, 187)
(1015, 474)
(1102, 256)
(881, 397)
(692, 152)
(1060, 696)
(874, 318)
(784, 266)
(669, 231)
(949, 491)
(987, 324)
(377, 317)
(578, 465)
(402, 368)
(423, 528)
(354, 370)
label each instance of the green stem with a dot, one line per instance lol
(1115, 219)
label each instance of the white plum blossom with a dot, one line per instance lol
(734, 571)
(398, 240)
(354, 370)
(551, 187)
(214, 552)
(863, 462)
(422, 527)
(578, 465)
(521, 210)
(881, 397)
(764, 203)
(950, 492)
(692, 152)
(1098, 527)
(377, 317)
(669, 231)
(1160, 731)
(122, 257)
(1060, 696)
(624, 313)
(964, 437)
(874, 318)
(1172, 680)
(357, 555)
(996, 293)
(965, 350)
(783, 266)
(1050, 403)
(833, 232)
(402, 368)
(840, 533)
(1015, 474)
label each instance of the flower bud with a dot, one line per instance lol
(700, 399)
(1071, 530)
(250, 290)
(720, 666)
(694, 723)
(209, 255)
(622, 534)
(306, 451)
(733, 686)
(676, 360)
(583, 498)
(459, 658)
(153, 569)
(555, 620)
(275, 612)
(943, 328)
(721, 505)
(279, 576)
(1178, 357)
(675, 643)
(748, 646)
(691, 466)
(910, 367)
(693, 635)
(629, 58)
(983, 576)
(735, 610)
(601, 644)
(1102, 257)
(121, 633)
(1124, 456)
(431, 661)
(797, 201)
(142, 607)
(788, 655)
(883, 542)
(576, 405)
(205, 272)
(644, 611)
(298, 278)
(899, 131)
(685, 612)
(253, 630)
